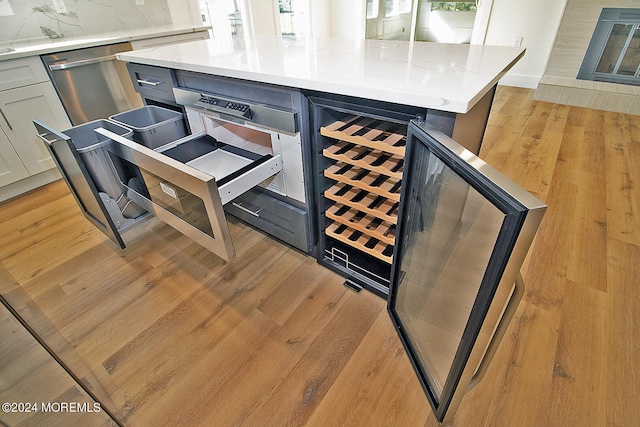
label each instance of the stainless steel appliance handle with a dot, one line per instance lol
(43, 137)
(507, 315)
(5, 119)
(249, 211)
(81, 63)
(149, 82)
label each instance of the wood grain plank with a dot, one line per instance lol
(293, 401)
(379, 375)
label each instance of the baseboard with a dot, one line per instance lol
(20, 187)
(519, 80)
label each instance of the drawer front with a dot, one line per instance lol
(273, 216)
(181, 196)
(22, 72)
(188, 197)
(152, 82)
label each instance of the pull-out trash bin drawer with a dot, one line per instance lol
(188, 181)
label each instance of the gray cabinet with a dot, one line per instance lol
(153, 82)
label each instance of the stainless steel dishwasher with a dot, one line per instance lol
(92, 83)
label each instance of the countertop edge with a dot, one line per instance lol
(98, 40)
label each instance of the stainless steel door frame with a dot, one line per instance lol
(464, 301)
(77, 177)
(191, 180)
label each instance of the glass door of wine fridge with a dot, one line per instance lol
(462, 234)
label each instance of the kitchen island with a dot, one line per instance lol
(349, 126)
(327, 83)
(396, 205)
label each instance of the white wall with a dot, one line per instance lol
(263, 17)
(338, 18)
(347, 18)
(537, 23)
(185, 12)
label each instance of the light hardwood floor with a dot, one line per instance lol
(166, 334)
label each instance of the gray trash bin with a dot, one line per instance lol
(153, 126)
(92, 148)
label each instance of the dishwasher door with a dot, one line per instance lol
(188, 191)
(91, 83)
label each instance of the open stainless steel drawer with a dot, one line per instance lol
(187, 182)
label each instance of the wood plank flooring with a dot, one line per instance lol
(29, 375)
(165, 333)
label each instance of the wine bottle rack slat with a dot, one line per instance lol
(366, 158)
(360, 241)
(367, 224)
(373, 182)
(377, 134)
(377, 206)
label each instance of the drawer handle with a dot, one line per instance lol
(149, 82)
(250, 212)
(80, 63)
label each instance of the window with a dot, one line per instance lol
(396, 7)
(372, 9)
(614, 51)
(454, 6)
(286, 18)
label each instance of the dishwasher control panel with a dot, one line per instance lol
(222, 106)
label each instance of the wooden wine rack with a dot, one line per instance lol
(361, 241)
(365, 223)
(362, 200)
(373, 182)
(369, 158)
(377, 134)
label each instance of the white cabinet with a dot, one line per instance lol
(26, 94)
(11, 167)
(19, 107)
(22, 72)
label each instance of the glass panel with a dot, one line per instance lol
(631, 59)
(454, 6)
(181, 203)
(613, 48)
(372, 9)
(286, 17)
(397, 7)
(452, 229)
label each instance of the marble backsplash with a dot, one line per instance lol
(38, 20)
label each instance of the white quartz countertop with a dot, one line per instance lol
(448, 77)
(42, 46)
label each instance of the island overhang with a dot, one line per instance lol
(446, 77)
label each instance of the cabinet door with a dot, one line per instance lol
(463, 232)
(18, 108)
(11, 167)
